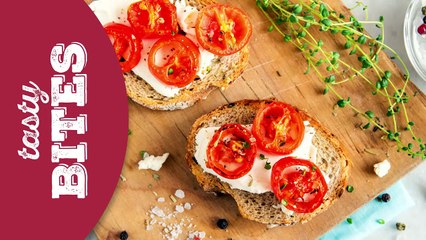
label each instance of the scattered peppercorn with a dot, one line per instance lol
(386, 197)
(424, 10)
(124, 235)
(400, 226)
(424, 19)
(222, 223)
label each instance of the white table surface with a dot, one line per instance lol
(415, 182)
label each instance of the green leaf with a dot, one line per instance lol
(362, 39)
(334, 31)
(347, 45)
(353, 51)
(326, 22)
(325, 13)
(268, 165)
(301, 34)
(293, 19)
(320, 43)
(142, 154)
(287, 38)
(369, 113)
(326, 89)
(384, 82)
(271, 28)
(322, 7)
(309, 17)
(297, 9)
(341, 103)
(346, 32)
(388, 74)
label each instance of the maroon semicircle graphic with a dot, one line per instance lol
(64, 120)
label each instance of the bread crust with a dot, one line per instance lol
(224, 71)
(331, 159)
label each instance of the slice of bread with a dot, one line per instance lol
(224, 71)
(330, 157)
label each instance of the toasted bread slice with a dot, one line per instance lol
(260, 207)
(224, 71)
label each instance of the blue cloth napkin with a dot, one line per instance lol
(365, 220)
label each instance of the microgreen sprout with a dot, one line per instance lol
(297, 22)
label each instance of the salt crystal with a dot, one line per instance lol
(157, 211)
(161, 199)
(179, 209)
(187, 206)
(201, 234)
(180, 194)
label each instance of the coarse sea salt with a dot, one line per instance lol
(187, 206)
(179, 209)
(180, 194)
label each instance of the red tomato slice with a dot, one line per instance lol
(278, 128)
(127, 46)
(231, 153)
(152, 19)
(174, 60)
(298, 184)
(222, 29)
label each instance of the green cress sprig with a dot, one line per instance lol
(295, 22)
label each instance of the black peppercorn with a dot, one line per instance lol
(124, 235)
(386, 197)
(400, 226)
(424, 19)
(222, 223)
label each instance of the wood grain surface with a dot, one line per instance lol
(275, 70)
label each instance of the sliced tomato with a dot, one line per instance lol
(231, 152)
(174, 60)
(222, 29)
(278, 128)
(153, 18)
(127, 46)
(298, 184)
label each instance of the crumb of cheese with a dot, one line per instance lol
(382, 168)
(152, 162)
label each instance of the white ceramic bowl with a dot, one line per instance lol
(414, 43)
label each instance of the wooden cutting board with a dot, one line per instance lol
(275, 70)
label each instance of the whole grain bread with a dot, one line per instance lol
(331, 159)
(224, 71)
